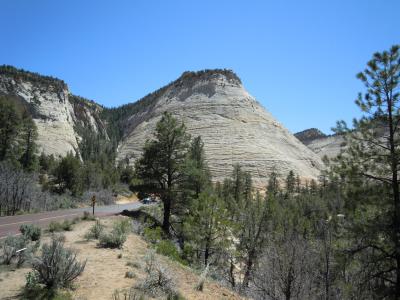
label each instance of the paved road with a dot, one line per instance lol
(11, 224)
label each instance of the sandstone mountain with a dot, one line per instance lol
(235, 128)
(58, 114)
(320, 143)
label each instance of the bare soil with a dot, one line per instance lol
(105, 272)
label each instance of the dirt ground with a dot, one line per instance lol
(105, 272)
(124, 200)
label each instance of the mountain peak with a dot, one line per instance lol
(36, 78)
(210, 74)
(308, 135)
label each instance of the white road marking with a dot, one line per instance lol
(36, 221)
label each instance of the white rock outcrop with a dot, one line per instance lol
(53, 113)
(235, 128)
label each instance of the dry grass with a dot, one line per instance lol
(104, 272)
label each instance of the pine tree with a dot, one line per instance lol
(10, 123)
(161, 165)
(290, 182)
(207, 225)
(28, 135)
(370, 166)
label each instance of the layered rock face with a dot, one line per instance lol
(49, 101)
(235, 128)
(320, 143)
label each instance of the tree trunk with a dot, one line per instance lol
(249, 267)
(167, 213)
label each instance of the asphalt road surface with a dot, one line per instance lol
(11, 224)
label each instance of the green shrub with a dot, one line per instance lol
(112, 240)
(130, 274)
(95, 231)
(153, 235)
(122, 226)
(158, 281)
(31, 232)
(57, 266)
(66, 225)
(55, 226)
(10, 246)
(167, 248)
(117, 237)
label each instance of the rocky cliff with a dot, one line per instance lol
(320, 143)
(214, 104)
(57, 114)
(235, 128)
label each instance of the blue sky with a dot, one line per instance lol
(298, 58)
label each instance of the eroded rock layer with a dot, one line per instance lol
(235, 128)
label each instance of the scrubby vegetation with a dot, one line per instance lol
(335, 238)
(95, 231)
(117, 237)
(65, 225)
(31, 232)
(56, 267)
(158, 282)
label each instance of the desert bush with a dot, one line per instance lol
(112, 240)
(200, 285)
(167, 248)
(153, 235)
(117, 237)
(130, 294)
(130, 274)
(55, 226)
(66, 225)
(10, 246)
(57, 266)
(31, 232)
(95, 231)
(158, 282)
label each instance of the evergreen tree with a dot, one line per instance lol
(161, 165)
(290, 182)
(10, 124)
(28, 135)
(370, 166)
(207, 225)
(68, 174)
(273, 183)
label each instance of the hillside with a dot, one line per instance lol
(233, 125)
(213, 103)
(105, 271)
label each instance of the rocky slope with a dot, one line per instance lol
(235, 128)
(58, 115)
(320, 143)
